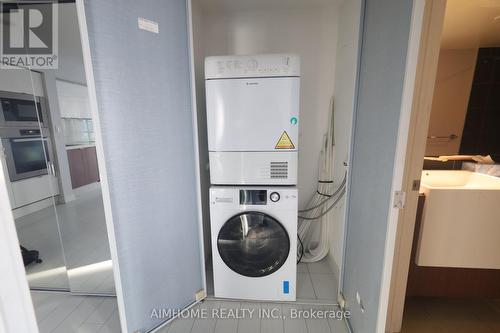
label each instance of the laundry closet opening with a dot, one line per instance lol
(324, 35)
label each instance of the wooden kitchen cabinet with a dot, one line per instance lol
(83, 166)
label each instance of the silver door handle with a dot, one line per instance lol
(51, 168)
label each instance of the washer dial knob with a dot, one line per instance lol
(275, 196)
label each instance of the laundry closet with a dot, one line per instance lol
(162, 198)
(306, 32)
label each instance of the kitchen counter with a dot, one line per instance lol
(79, 146)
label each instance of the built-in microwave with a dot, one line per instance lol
(27, 151)
(22, 110)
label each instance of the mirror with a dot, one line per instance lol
(47, 134)
(464, 117)
(31, 181)
(81, 215)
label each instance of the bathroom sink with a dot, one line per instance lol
(460, 224)
(456, 179)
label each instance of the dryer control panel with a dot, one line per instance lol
(266, 65)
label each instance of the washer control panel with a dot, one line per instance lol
(252, 66)
(274, 196)
(253, 197)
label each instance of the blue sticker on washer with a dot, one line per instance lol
(286, 287)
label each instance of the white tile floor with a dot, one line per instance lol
(65, 313)
(85, 242)
(82, 228)
(39, 231)
(283, 322)
(315, 281)
(60, 312)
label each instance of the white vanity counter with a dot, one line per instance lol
(460, 221)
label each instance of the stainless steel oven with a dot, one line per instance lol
(21, 110)
(27, 151)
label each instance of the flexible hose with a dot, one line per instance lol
(330, 196)
(315, 221)
(327, 210)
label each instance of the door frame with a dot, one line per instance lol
(404, 134)
(418, 18)
(428, 54)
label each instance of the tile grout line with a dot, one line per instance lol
(216, 319)
(109, 318)
(329, 326)
(307, 326)
(49, 313)
(260, 317)
(238, 321)
(90, 314)
(282, 317)
(110, 315)
(192, 325)
(69, 314)
(215, 325)
(312, 284)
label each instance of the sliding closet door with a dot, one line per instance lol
(386, 29)
(140, 75)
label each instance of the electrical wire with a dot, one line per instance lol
(342, 185)
(301, 249)
(315, 236)
(327, 210)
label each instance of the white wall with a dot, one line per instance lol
(451, 98)
(73, 100)
(345, 78)
(310, 32)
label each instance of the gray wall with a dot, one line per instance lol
(144, 99)
(376, 121)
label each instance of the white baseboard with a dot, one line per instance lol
(31, 208)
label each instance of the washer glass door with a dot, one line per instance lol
(253, 244)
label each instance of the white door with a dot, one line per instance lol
(137, 58)
(377, 130)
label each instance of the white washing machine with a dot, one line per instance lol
(253, 119)
(254, 242)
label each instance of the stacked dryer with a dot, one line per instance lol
(252, 123)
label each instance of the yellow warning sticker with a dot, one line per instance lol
(284, 142)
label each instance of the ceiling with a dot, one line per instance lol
(471, 24)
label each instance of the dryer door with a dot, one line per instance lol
(253, 244)
(252, 114)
